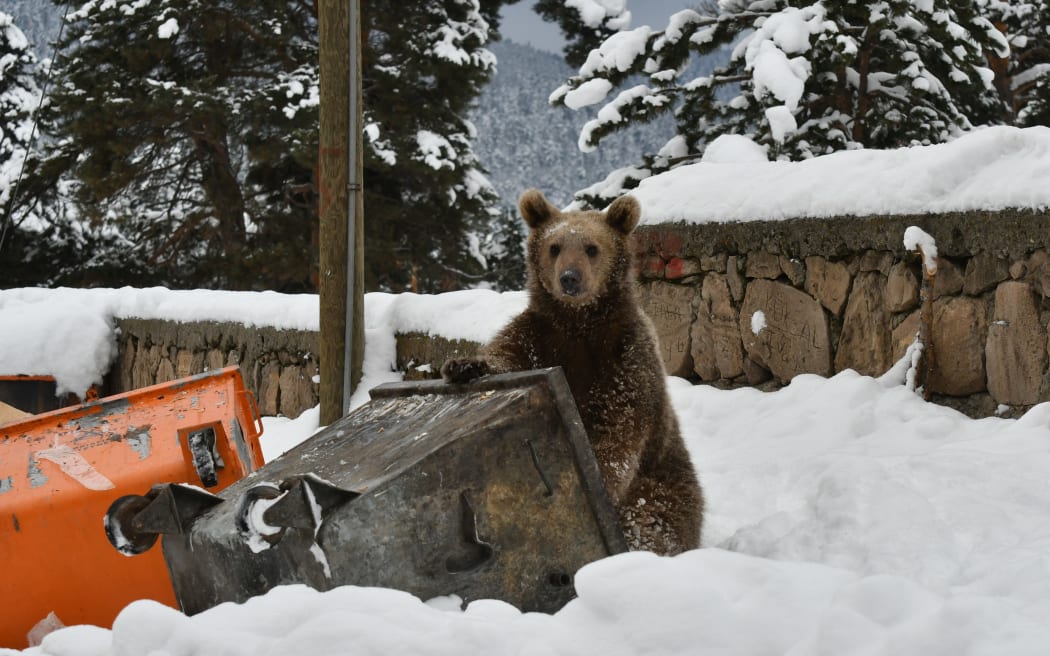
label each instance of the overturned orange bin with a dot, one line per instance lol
(61, 471)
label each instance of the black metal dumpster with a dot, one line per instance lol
(487, 490)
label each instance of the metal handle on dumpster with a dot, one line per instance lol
(476, 552)
(266, 511)
(253, 407)
(133, 523)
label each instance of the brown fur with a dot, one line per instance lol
(583, 316)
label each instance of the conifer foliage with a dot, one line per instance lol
(1023, 80)
(184, 135)
(801, 79)
(18, 96)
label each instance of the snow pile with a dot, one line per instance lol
(844, 515)
(69, 333)
(990, 169)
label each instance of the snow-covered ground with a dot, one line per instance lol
(845, 516)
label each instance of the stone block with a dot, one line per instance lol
(716, 347)
(902, 288)
(794, 339)
(269, 388)
(1018, 269)
(828, 282)
(959, 331)
(214, 359)
(297, 391)
(165, 371)
(188, 363)
(866, 341)
(793, 269)
(755, 374)
(762, 265)
(671, 309)
(736, 281)
(984, 271)
(144, 371)
(948, 281)
(1016, 351)
(678, 268)
(651, 266)
(904, 334)
(716, 262)
(1038, 272)
(880, 261)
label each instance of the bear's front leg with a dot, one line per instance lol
(464, 370)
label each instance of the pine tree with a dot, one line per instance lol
(1023, 80)
(18, 96)
(800, 80)
(188, 129)
(427, 201)
(161, 117)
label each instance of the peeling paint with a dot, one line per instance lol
(36, 477)
(6, 484)
(99, 420)
(140, 440)
(76, 467)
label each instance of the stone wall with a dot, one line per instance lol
(278, 366)
(760, 302)
(742, 304)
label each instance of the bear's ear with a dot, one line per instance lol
(535, 208)
(623, 214)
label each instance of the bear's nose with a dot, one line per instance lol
(570, 282)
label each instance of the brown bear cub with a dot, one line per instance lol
(583, 315)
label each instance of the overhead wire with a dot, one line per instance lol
(9, 206)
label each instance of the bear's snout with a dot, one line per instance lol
(570, 282)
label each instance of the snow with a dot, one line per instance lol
(758, 322)
(168, 29)
(991, 169)
(589, 93)
(735, 148)
(435, 150)
(596, 13)
(915, 238)
(844, 515)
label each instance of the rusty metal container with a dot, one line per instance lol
(488, 490)
(61, 471)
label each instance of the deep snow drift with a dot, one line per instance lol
(845, 516)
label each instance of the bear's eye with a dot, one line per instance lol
(592, 251)
(555, 249)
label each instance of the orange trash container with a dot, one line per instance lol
(60, 471)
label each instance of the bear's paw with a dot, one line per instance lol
(464, 370)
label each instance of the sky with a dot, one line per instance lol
(521, 25)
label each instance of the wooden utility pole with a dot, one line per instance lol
(341, 206)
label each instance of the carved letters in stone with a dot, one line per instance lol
(794, 338)
(671, 309)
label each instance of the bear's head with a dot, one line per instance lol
(577, 257)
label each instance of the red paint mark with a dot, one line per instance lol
(673, 270)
